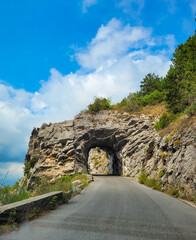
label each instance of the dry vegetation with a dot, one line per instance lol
(154, 110)
(179, 124)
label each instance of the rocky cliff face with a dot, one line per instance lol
(63, 148)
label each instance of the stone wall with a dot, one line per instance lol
(20, 211)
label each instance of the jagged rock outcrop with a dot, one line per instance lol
(63, 148)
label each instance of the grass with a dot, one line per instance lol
(179, 124)
(175, 191)
(150, 182)
(16, 193)
(13, 194)
(154, 110)
(7, 228)
(62, 184)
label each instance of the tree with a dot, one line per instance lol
(150, 83)
(180, 81)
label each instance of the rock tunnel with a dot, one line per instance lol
(106, 142)
(63, 148)
(116, 162)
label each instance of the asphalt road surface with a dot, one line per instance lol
(114, 208)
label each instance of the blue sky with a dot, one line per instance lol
(56, 55)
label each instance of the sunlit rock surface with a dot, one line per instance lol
(63, 148)
(100, 162)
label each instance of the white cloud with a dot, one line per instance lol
(11, 170)
(118, 58)
(15, 119)
(111, 42)
(86, 4)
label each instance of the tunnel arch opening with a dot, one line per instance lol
(114, 160)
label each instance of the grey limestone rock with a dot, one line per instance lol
(63, 148)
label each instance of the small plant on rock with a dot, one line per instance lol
(155, 167)
(98, 149)
(174, 192)
(142, 178)
(30, 165)
(53, 203)
(161, 174)
(176, 142)
(162, 155)
(12, 216)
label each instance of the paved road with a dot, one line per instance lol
(114, 208)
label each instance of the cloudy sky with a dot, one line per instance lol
(57, 55)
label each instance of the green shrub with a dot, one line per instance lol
(64, 184)
(17, 192)
(30, 165)
(152, 98)
(177, 142)
(130, 103)
(153, 183)
(107, 155)
(33, 161)
(33, 212)
(191, 110)
(100, 104)
(66, 178)
(13, 194)
(98, 149)
(53, 203)
(142, 178)
(174, 192)
(150, 182)
(163, 122)
(27, 168)
(162, 155)
(155, 167)
(168, 139)
(161, 174)
(67, 196)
